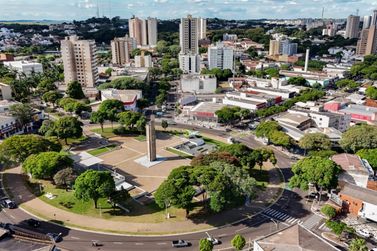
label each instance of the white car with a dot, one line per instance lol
(363, 233)
(214, 241)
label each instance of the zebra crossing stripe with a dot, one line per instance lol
(269, 210)
(285, 217)
(293, 221)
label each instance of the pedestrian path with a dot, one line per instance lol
(312, 221)
(324, 228)
(272, 213)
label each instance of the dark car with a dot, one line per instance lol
(54, 237)
(7, 203)
(33, 222)
(180, 243)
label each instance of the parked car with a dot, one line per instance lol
(180, 243)
(7, 203)
(54, 237)
(214, 241)
(33, 222)
(363, 233)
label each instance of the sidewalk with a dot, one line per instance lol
(27, 201)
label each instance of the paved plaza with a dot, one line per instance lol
(132, 150)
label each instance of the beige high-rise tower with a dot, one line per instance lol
(202, 28)
(79, 61)
(352, 26)
(274, 48)
(188, 35)
(143, 30)
(367, 43)
(121, 49)
(151, 140)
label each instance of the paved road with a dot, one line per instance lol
(289, 209)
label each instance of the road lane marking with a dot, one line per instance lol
(12, 216)
(117, 243)
(139, 243)
(241, 229)
(161, 243)
(222, 235)
(75, 238)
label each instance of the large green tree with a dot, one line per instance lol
(44, 165)
(297, 81)
(371, 92)
(205, 245)
(265, 128)
(93, 185)
(23, 113)
(67, 127)
(98, 117)
(65, 177)
(358, 244)
(238, 242)
(321, 172)
(111, 108)
(18, 147)
(177, 190)
(74, 90)
(359, 137)
(370, 155)
(315, 141)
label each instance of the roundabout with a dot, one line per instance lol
(79, 230)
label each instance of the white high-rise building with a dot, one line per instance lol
(79, 61)
(189, 63)
(352, 27)
(189, 60)
(220, 57)
(366, 22)
(143, 61)
(143, 30)
(374, 18)
(202, 28)
(121, 49)
(288, 48)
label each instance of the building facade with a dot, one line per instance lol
(189, 63)
(121, 49)
(24, 67)
(5, 92)
(202, 28)
(352, 27)
(189, 60)
(220, 57)
(143, 61)
(144, 31)
(198, 83)
(79, 61)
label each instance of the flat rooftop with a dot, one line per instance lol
(359, 109)
(243, 100)
(350, 162)
(209, 107)
(293, 118)
(364, 194)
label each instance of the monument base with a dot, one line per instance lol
(144, 161)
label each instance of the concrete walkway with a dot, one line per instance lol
(21, 194)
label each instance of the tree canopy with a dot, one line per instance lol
(124, 83)
(18, 147)
(238, 242)
(370, 155)
(300, 81)
(359, 137)
(44, 165)
(92, 185)
(64, 128)
(315, 141)
(74, 90)
(319, 171)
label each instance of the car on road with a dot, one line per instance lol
(33, 223)
(7, 203)
(363, 233)
(54, 237)
(180, 243)
(214, 241)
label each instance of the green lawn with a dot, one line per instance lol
(179, 153)
(141, 138)
(102, 149)
(214, 142)
(107, 132)
(146, 214)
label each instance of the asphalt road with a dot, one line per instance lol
(291, 203)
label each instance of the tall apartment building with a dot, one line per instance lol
(366, 22)
(143, 60)
(288, 48)
(202, 28)
(79, 61)
(284, 47)
(274, 48)
(5, 92)
(143, 30)
(189, 60)
(330, 30)
(352, 27)
(220, 57)
(367, 43)
(121, 49)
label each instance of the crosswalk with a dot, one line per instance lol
(312, 221)
(269, 212)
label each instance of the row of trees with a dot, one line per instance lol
(231, 115)
(272, 131)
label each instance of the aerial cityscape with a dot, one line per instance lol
(194, 124)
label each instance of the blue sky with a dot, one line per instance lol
(165, 9)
